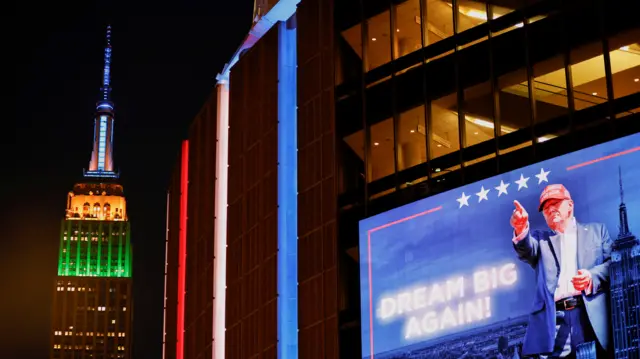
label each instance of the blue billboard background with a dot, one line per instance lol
(413, 257)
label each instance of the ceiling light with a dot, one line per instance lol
(397, 30)
(487, 124)
(624, 48)
(373, 39)
(546, 138)
(412, 131)
(477, 14)
(440, 141)
(479, 122)
(475, 133)
(595, 94)
(636, 80)
(375, 143)
(437, 170)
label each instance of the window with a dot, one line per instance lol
(408, 33)
(513, 95)
(471, 14)
(382, 150)
(107, 210)
(444, 137)
(550, 89)
(505, 7)
(412, 142)
(439, 24)
(515, 108)
(479, 117)
(378, 44)
(588, 76)
(624, 52)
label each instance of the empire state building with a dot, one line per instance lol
(625, 288)
(92, 306)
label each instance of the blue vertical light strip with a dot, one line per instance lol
(102, 142)
(287, 191)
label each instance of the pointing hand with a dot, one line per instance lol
(519, 218)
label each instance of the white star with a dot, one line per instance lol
(482, 194)
(502, 188)
(464, 200)
(522, 182)
(542, 176)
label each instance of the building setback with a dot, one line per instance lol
(333, 111)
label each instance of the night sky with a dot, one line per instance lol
(165, 59)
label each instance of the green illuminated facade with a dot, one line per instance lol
(95, 249)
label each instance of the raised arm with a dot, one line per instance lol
(526, 246)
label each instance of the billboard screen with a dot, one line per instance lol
(468, 272)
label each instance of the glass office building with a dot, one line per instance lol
(449, 92)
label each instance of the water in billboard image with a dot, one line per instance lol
(541, 260)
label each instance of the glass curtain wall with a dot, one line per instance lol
(409, 101)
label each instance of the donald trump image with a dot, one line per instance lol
(571, 262)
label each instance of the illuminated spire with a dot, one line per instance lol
(624, 222)
(106, 75)
(101, 164)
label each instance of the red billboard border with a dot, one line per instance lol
(369, 258)
(604, 158)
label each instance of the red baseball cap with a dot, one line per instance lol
(553, 191)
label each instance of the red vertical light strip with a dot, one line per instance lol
(182, 248)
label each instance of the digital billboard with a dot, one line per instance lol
(510, 266)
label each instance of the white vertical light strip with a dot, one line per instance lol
(220, 221)
(109, 162)
(166, 270)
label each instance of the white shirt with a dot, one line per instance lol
(569, 261)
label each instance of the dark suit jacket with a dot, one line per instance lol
(594, 254)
